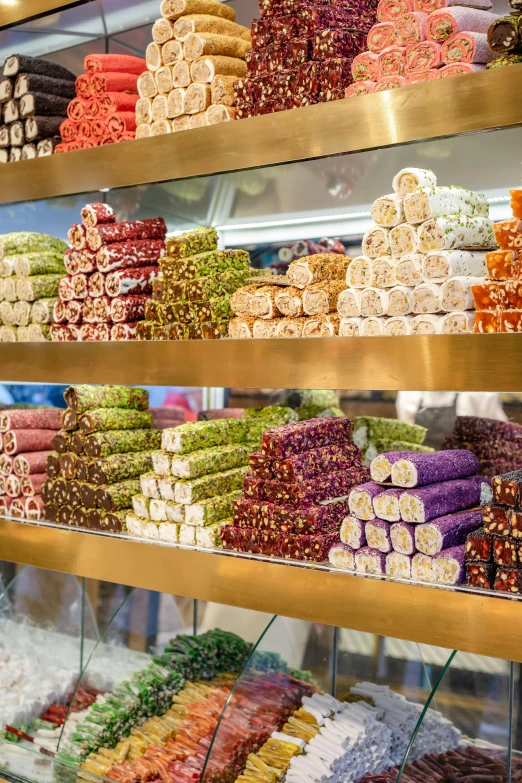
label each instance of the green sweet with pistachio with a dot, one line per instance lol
(19, 242)
(83, 397)
(43, 263)
(188, 491)
(103, 419)
(102, 444)
(212, 262)
(213, 460)
(193, 242)
(117, 496)
(207, 512)
(203, 434)
(118, 467)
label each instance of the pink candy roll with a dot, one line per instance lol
(398, 565)
(423, 76)
(30, 463)
(353, 532)
(467, 48)
(370, 561)
(2, 485)
(342, 556)
(411, 28)
(422, 56)
(34, 507)
(403, 538)
(389, 83)
(428, 6)
(386, 505)
(17, 441)
(359, 88)
(17, 508)
(32, 485)
(77, 236)
(6, 465)
(445, 22)
(381, 36)
(123, 332)
(96, 284)
(459, 69)
(94, 214)
(364, 67)
(59, 312)
(13, 487)
(74, 311)
(36, 419)
(378, 535)
(391, 10)
(390, 62)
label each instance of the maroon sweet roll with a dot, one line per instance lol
(71, 259)
(13, 488)
(122, 332)
(87, 261)
(6, 465)
(96, 214)
(96, 284)
(128, 308)
(96, 311)
(74, 311)
(17, 508)
(35, 419)
(34, 507)
(66, 290)
(18, 441)
(5, 505)
(31, 485)
(131, 281)
(2, 485)
(60, 333)
(77, 236)
(95, 333)
(30, 463)
(124, 255)
(151, 228)
(59, 312)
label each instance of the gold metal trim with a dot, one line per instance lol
(431, 363)
(22, 10)
(472, 623)
(476, 102)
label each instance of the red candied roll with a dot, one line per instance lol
(36, 419)
(17, 508)
(96, 284)
(467, 48)
(124, 255)
(114, 63)
(102, 83)
(381, 36)
(422, 56)
(422, 76)
(89, 144)
(2, 485)
(74, 311)
(31, 485)
(391, 10)
(389, 83)
(128, 308)
(77, 236)
(152, 228)
(34, 507)
(127, 136)
(97, 214)
(92, 110)
(62, 333)
(364, 67)
(83, 86)
(98, 128)
(5, 505)
(59, 312)
(445, 22)
(13, 487)
(97, 310)
(118, 101)
(84, 130)
(122, 332)
(131, 281)
(95, 333)
(458, 69)
(66, 289)
(30, 463)
(411, 28)
(360, 88)
(18, 441)
(68, 130)
(71, 260)
(6, 465)
(76, 109)
(390, 62)
(121, 122)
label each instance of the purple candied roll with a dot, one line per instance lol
(378, 535)
(381, 465)
(361, 498)
(353, 533)
(342, 556)
(419, 470)
(445, 532)
(448, 566)
(422, 567)
(402, 536)
(386, 505)
(370, 561)
(399, 565)
(426, 503)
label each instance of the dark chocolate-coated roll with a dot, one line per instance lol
(65, 515)
(60, 491)
(83, 397)
(53, 465)
(21, 63)
(82, 468)
(39, 103)
(38, 127)
(62, 442)
(80, 516)
(51, 512)
(68, 464)
(89, 494)
(77, 443)
(69, 420)
(33, 82)
(74, 493)
(117, 496)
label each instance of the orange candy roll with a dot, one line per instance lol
(410, 28)
(390, 10)
(381, 36)
(423, 76)
(390, 62)
(389, 83)
(422, 56)
(360, 88)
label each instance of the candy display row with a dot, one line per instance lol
(497, 444)
(31, 266)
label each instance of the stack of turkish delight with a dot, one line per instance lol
(497, 444)
(304, 308)
(420, 261)
(110, 270)
(423, 40)
(188, 497)
(505, 39)
(375, 435)
(105, 444)
(305, 247)
(31, 267)
(26, 438)
(498, 301)
(494, 552)
(34, 95)
(417, 527)
(295, 499)
(103, 110)
(197, 54)
(302, 53)
(191, 298)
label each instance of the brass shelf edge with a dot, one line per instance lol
(424, 363)
(472, 623)
(24, 10)
(472, 103)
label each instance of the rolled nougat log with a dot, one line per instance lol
(262, 302)
(267, 329)
(181, 76)
(42, 311)
(321, 325)
(290, 327)
(6, 465)
(427, 503)
(359, 273)
(368, 429)
(37, 264)
(163, 78)
(13, 488)
(289, 301)
(8, 334)
(159, 116)
(317, 268)
(388, 211)
(149, 228)
(197, 98)
(439, 265)
(457, 293)
(143, 111)
(215, 115)
(20, 314)
(435, 202)
(374, 301)
(117, 496)
(373, 326)
(122, 255)
(403, 240)
(402, 536)
(19, 242)
(203, 434)
(386, 505)
(198, 120)
(222, 90)
(7, 313)
(445, 532)
(147, 87)
(240, 301)
(378, 535)
(322, 297)
(190, 491)
(458, 323)
(381, 465)
(479, 546)
(11, 111)
(31, 462)
(351, 327)
(173, 9)
(17, 508)
(349, 303)
(42, 104)
(410, 179)
(241, 328)
(383, 272)
(37, 419)
(426, 298)
(103, 419)
(400, 302)
(207, 68)
(34, 508)
(342, 556)
(426, 324)
(456, 231)
(448, 566)
(143, 131)
(201, 44)
(398, 565)
(397, 326)
(119, 467)
(294, 438)
(102, 444)
(422, 567)
(376, 242)
(204, 23)
(361, 500)
(370, 561)
(419, 470)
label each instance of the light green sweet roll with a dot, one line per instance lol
(42, 311)
(38, 287)
(189, 491)
(213, 460)
(371, 428)
(39, 333)
(19, 242)
(196, 435)
(38, 264)
(8, 334)
(207, 512)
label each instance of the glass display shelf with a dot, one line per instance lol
(452, 618)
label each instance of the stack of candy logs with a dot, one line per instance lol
(26, 438)
(421, 40)
(498, 301)
(103, 111)
(302, 54)
(420, 260)
(34, 95)
(295, 499)
(191, 299)
(196, 477)
(494, 552)
(105, 444)
(417, 528)
(497, 444)
(31, 267)
(110, 270)
(197, 54)
(375, 435)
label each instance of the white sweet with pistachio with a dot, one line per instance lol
(456, 293)
(398, 326)
(433, 202)
(359, 273)
(440, 265)
(388, 211)
(409, 179)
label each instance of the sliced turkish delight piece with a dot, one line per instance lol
(408, 269)
(353, 532)
(370, 561)
(497, 520)
(398, 565)
(479, 546)
(403, 538)
(507, 488)
(386, 505)
(422, 567)
(448, 566)
(377, 533)
(480, 575)
(361, 500)
(342, 556)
